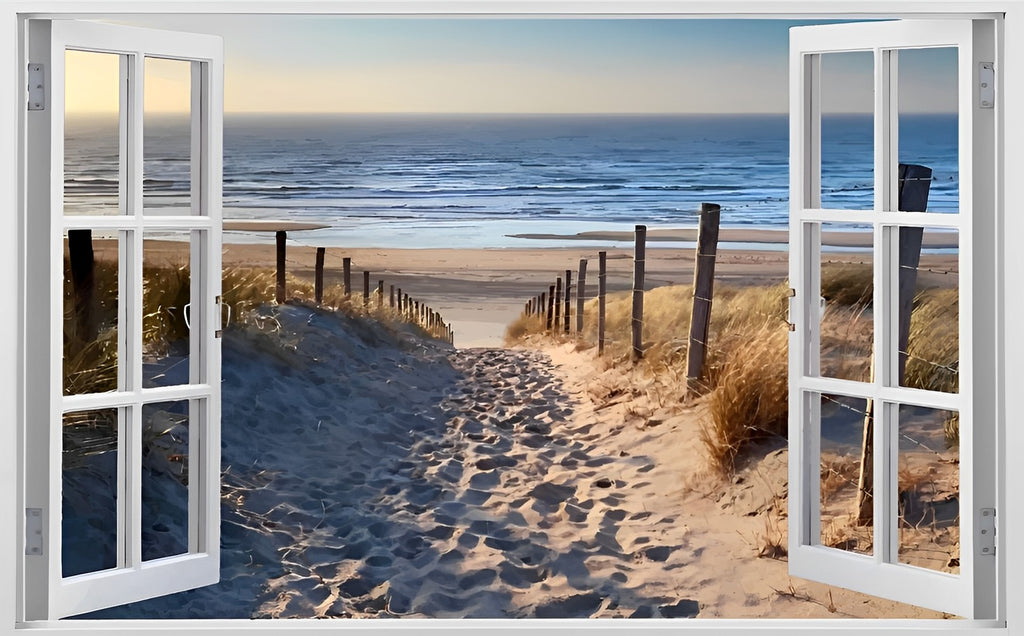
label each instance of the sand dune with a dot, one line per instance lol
(370, 473)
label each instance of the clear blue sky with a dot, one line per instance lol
(346, 64)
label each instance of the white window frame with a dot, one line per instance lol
(48, 593)
(1008, 369)
(970, 592)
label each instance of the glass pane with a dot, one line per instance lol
(165, 473)
(91, 133)
(929, 488)
(90, 311)
(929, 309)
(928, 129)
(847, 285)
(89, 491)
(167, 147)
(843, 423)
(166, 307)
(847, 130)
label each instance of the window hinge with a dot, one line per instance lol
(34, 531)
(987, 532)
(36, 87)
(986, 85)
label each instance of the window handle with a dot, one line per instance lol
(187, 314)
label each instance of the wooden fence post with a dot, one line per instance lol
(366, 288)
(281, 237)
(914, 185)
(558, 305)
(346, 270)
(318, 276)
(551, 305)
(568, 297)
(639, 252)
(83, 281)
(703, 290)
(581, 295)
(380, 294)
(416, 311)
(602, 277)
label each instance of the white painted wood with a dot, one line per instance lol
(134, 579)
(971, 593)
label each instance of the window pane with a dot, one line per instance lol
(165, 477)
(90, 311)
(91, 133)
(847, 287)
(843, 421)
(166, 307)
(929, 309)
(928, 127)
(847, 130)
(89, 491)
(929, 488)
(167, 147)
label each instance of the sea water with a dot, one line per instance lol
(476, 180)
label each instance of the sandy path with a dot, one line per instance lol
(518, 510)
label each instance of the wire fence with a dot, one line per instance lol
(381, 299)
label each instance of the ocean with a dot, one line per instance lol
(475, 180)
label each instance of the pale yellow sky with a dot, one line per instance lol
(91, 81)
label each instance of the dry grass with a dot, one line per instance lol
(838, 472)
(847, 283)
(522, 327)
(750, 401)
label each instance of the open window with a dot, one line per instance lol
(122, 496)
(865, 403)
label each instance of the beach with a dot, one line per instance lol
(369, 472)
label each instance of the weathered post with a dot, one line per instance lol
(551, 305)
(914, 185)
(318, 276)
(83, 281)
(602, 278)
(416, 311)
(558, 305)
(398, 299)
(281, 237)
(380, 294)
(366, 288)
(639, 251)
(703, 290)
(581, 295)
(346, 270)
(568, 297)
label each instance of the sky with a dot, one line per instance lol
(337, 64)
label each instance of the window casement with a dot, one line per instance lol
(123, 388)
(900, 428)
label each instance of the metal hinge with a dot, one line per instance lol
(36, 87)
(34, 531)
(987, 532)
(986, 85)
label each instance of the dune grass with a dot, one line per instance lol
(745, 378)
(90, 362)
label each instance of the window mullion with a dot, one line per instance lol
(133, 297)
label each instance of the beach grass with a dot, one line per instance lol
(745, 379)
